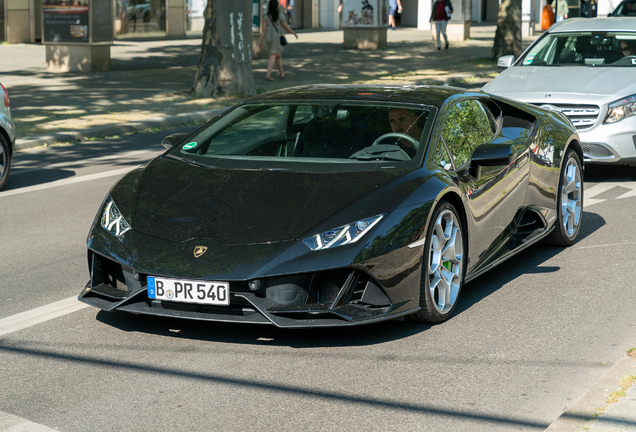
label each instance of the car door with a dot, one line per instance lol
(497, 195)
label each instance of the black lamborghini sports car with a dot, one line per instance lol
(335, 205)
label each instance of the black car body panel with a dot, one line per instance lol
(269, 206)
(253, 218)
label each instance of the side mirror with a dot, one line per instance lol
(172, 140)
(494, 155)
(505, 62)
(489, 155)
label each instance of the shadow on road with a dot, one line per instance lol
(172, 372)
(89, 154)
(528, 261)
(609, 172)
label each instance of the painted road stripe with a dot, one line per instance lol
(68, 181)
(39, 315)
(597, 189)
(11, 423)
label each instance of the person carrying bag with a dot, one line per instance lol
(274, 19)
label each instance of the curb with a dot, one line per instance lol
(579, 416)
(118, 129)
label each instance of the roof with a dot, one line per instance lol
(423, 95)
(595, 24)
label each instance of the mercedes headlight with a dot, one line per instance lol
(343, 235)
(621, 109)
(112, 220)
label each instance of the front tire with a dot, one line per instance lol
(443, 265)
(5, 161)
(569, 202)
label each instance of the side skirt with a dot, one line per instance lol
(509, 254)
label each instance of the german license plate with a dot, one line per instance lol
(189, 291)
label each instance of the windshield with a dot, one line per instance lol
(604, 49)
(626, 8)
(309, 136)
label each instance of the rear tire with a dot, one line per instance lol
(5, 161)
(443, 265)
(569, 202)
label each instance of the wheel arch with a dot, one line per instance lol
(453, 197)
(575, 145)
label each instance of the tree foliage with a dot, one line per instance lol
(508, 35)
(225, 63)
(465, 128)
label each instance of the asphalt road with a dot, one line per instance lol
(528, 340)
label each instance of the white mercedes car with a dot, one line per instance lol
(586, 69)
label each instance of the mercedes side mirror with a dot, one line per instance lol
(172, 140)
(505, 62)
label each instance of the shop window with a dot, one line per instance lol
(140, 18)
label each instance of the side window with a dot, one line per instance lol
(467, 126)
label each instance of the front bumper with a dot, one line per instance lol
(610, 143)
(330, 298)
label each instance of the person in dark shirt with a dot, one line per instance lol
(441, 13)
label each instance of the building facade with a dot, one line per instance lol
(21, 21)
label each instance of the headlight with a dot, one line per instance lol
(343, 235)
(112, 220)
(621, 109)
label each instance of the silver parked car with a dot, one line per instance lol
(586, 69)
(7, 136)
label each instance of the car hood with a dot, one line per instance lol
(599, 85)
(179, 202)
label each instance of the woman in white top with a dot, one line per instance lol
(274, 26)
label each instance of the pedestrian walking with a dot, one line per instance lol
(274, 28)
(440, 14)
(562, 10)
(285, 4)
(395, 7)
(547, 16)
(290, 12)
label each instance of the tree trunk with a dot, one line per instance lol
(508, 35)
(225, 64)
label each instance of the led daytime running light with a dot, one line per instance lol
(113, 221)
(343, 235)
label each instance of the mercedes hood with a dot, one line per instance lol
(582, 84)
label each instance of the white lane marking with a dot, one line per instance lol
(607, 245)
(68, 181)
(39, 315)
(599, 188)
(11, 423)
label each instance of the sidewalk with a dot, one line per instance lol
(147, 86)
(146, 90)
